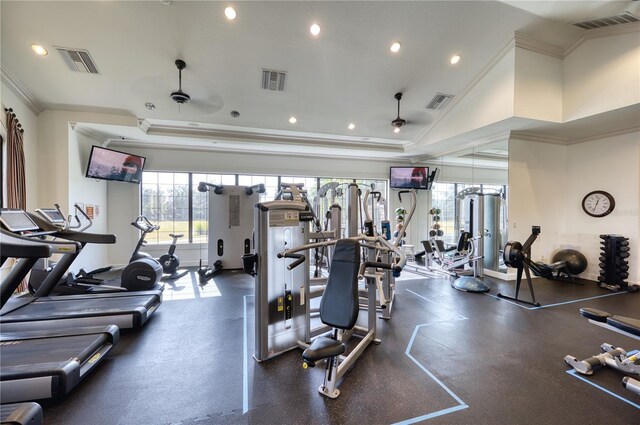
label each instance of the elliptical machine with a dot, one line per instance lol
(169, 262)
(139, 275)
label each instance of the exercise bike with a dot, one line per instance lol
(169, 261)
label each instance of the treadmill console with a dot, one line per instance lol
(17, 221)
(52, 215)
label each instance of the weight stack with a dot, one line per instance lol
(614, 268)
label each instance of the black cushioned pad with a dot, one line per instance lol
(323, 347)
(595, 314)
(340, 304)
(627, 324)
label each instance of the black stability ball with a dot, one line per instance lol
(576, 261)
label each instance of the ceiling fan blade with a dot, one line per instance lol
(208, 105)
(158, 89)
(419, 118)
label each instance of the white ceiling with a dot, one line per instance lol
(347, 74)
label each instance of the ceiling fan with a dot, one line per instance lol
(398, 122)
(200, 101)
(180, 96)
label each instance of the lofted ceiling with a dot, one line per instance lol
(345, 75)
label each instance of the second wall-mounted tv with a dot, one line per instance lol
(108, 164)
(410, 178)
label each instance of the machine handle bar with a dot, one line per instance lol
(377, 265)
(300, 259)
(143, 224)
(84, 214)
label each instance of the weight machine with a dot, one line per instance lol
(283, 299)
(385, 280)
(230, 226)
(340, 302)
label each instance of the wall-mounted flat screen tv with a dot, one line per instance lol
(409, 178)
(107, 164)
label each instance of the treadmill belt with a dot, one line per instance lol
(31, 353)
(60, 307)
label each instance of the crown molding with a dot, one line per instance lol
(21, 91)
(528, 43)
(476, 143)
(89, 133)
(214, 147)
(605, 135)
(226, 135)
(533, 137)
(602, 33)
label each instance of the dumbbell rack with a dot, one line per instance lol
(614, 268)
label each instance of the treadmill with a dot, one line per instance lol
(130, 310)
(39, 364)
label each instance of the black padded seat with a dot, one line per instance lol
(323, 347)
(340, 304)
(595, 314)
(626, 324)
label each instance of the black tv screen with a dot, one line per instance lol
(107, 164)
(409, 178)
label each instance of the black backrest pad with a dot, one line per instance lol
(339, 306)
(463, 240)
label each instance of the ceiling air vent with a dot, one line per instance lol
(273, 80)
(439, 101)
(78, 60)
(624, 18)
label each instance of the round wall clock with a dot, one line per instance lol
(598, 203)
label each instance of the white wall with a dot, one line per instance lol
(547, 183)
(54, 152)
(86, 192)
(537, 188)
(602, 75)
(538, 86)
(609, 164)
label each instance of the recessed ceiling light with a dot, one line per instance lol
(293, 120)
(396, 130)
(395, 47)
(230, 13)
(455, 59)
(41, 51)
(351, 126)
(150, 106)
(165, 2)
(314, 29)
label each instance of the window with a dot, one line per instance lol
(443, 196)
(165, 201)
(173, 201)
